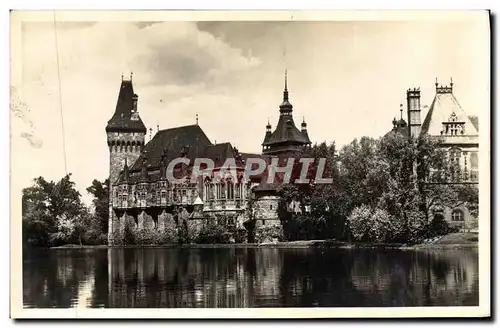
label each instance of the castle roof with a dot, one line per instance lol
(123, 119)
(189, 140)
(285, 132)
(443, 106)
(400, 126)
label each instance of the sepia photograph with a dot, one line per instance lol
(244, 164)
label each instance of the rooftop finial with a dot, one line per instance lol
(131, 73)
(436, 82)
(285, 92)
(401, 110)
(451, 82)
(196, 118)
(286, 73)
(122, 76)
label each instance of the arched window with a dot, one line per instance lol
(230, 190)
(457, 215)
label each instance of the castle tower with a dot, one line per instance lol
(125, 135)
(125, 131)
(414, 122)
(286, 139)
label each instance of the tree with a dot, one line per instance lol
(47, 206)
(100, 191)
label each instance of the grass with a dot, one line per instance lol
(459, 238)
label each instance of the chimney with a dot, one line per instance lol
(414, 123)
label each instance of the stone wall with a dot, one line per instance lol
(469, 221)
(268, 226)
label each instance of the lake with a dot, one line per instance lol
(248, 277)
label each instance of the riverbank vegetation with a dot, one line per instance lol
(381, 192)
(54, 214)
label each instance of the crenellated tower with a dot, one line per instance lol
(125, 134)
(125, 131)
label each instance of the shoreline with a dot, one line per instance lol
(316, 244)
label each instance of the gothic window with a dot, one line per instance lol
(230, 190)
(238, 190)
(223, 191)
(219, 191)
(124, 200)
(163, 197)
(263, 222)
(457, 215)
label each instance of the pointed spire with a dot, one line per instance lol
(196, 118)
(268, 126)
(285, 92)
(436, 84)
(131, 74)
(451, 83)
(401, 110)
(122, 76)
(285, 106)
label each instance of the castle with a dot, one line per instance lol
(459, 136)
(143, 198)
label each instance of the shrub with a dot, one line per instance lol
(380, 226)
(212, 234)
(359, 223)
(155, 237)
(268, 233)
(438, 226)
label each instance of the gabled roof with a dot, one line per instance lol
(189, 139)
(123, 119)
(442, 108)
(475, 121)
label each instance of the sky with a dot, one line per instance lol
(346, 78)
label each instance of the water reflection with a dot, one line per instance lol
(237, 277)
